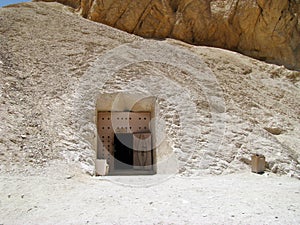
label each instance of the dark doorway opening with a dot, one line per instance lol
(123, 151)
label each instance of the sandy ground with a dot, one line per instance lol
(244, 198)
(66, 198)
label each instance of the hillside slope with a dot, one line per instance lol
(219, 107)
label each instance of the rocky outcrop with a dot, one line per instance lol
(265, 29)
(73, 3)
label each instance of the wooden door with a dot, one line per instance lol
(142, 151)
(111, 123)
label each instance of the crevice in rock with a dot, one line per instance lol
(139, 21)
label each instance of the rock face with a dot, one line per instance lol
(264, 29)
(218, 107)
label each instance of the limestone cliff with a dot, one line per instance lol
(264, 29)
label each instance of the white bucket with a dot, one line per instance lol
(101, 167)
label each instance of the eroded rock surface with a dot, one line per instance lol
(264, 29)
